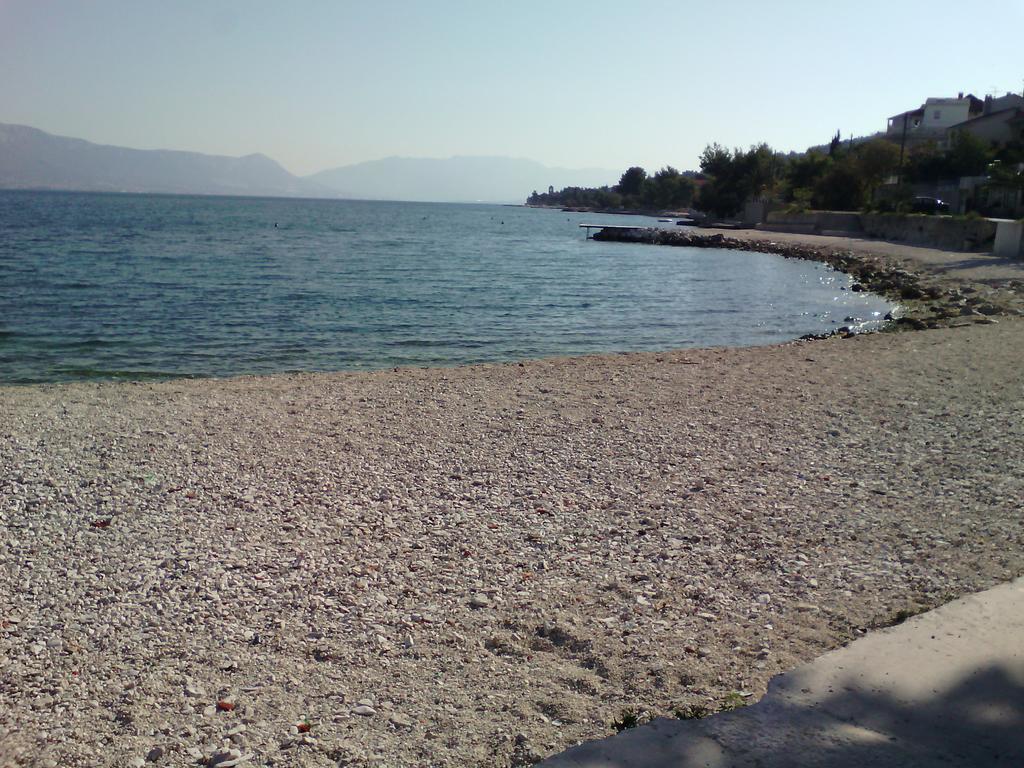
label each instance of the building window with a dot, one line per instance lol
(938, 114)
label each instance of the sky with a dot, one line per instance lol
(319, 84)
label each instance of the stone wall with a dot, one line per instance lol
(814, 222)
(945, 232)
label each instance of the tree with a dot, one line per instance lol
(804, 172)
(835, 145)
(874, 161)
(715, 160)
(736, 177)
(667, 188)
(632, 182)
(840, 189)
(926, 163)
(968, 155)
(1006, 175)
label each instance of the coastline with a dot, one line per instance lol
(480, 566)
(936, 288)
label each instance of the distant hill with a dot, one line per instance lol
(34, 159)
(456, 179)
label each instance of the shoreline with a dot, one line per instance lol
(483, 565)
(929, 293)
(911, 275)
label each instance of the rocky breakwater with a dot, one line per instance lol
(928, 299)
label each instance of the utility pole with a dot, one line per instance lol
(903, 144)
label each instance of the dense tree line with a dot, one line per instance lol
(840, 177)
(844, 177)
(667, 189)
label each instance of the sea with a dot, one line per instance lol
(125, 286)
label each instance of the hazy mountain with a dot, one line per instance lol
(33, 159)
(456, 179)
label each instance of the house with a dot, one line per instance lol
(998, 104)
(995, 128)
(930, 121)
(996, 121)
(1001, 121)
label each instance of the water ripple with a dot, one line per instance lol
(138, 286)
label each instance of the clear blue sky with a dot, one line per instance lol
(573, 84)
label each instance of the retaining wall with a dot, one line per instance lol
(944, 232)
(814, 222)
(1009, 239)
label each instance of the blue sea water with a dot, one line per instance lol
(137, 286)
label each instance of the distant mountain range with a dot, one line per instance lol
(456, 179)
(34, 159)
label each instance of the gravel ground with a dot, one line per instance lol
(481, 566)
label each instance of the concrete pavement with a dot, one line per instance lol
(945, 688)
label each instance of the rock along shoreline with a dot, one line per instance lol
(926, 299)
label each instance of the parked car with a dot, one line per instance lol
(928, 205)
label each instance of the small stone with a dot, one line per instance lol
(400, 720)
(365, 710)
(155, 754)
(224, 758)
(479, 600)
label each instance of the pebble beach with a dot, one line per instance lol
(484, 565)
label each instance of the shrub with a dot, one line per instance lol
(630, 718)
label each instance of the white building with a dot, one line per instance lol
(931, 119)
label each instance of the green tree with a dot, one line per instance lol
(925, 163)
(968, 155)
(874, 161)
(667, 188)
(716, 161)
(631, 183)
(840, 189)
(835, 145)
(736, 177)
(803, 173)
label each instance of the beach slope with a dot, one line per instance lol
(482, 565)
